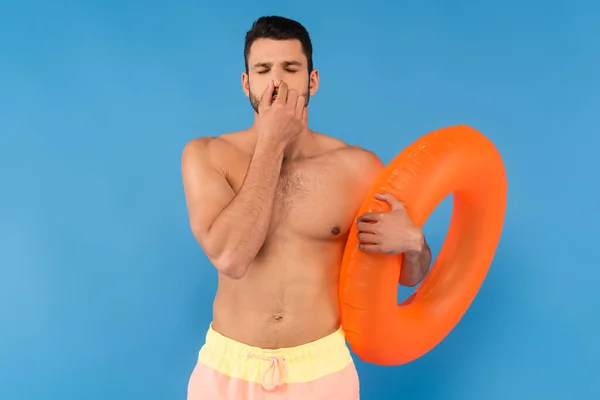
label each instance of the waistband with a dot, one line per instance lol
(274, 367)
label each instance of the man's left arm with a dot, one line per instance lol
(397, 229)
(415, 264)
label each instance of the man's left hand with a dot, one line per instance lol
(390, 232)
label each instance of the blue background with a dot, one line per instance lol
(104, 293)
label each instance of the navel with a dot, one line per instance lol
(335, 230)
(277, 317)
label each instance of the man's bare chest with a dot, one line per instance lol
(314, 199)
(313, 202)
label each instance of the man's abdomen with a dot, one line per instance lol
(280, 307)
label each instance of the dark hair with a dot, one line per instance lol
(278, 28)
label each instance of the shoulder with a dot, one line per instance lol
(365, 165)
(359, 165)
(363, 158)
(207, 144)
(356, 159)
(211, 149)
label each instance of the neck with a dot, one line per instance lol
(299, 148)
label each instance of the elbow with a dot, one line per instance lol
(226, 262)
(410, 283)
(411, 278)
(230, 267)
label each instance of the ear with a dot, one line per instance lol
(313, 82)
(245, 84)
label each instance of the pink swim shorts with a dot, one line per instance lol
(227, 369)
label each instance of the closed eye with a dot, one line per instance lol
(291, 71)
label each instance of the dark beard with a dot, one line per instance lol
(255, 101)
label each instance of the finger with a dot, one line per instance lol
(366, 227)
(300, 106)
(370, 216)
(305, 113)
(282, 93)
(292, 99)
(369, 248)
(265, 100)
(391, 200)
(367, 238)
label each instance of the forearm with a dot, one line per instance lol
(415, 265)
(241, 228)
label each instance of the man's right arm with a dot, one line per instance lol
(231, 228)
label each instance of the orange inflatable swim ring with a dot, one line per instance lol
(455, 160)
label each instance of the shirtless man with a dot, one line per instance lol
(271, 206)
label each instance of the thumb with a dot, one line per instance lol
(391, 200)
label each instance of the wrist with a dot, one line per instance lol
(270, 145)
(418, 242)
